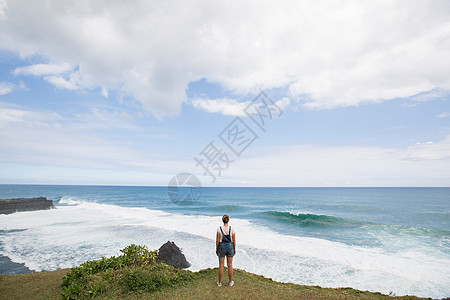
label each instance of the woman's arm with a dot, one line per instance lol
(217, 241)
(234, 242)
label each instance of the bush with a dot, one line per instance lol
(153, 279)
(139, 255)
(72, 290)
(134, 270)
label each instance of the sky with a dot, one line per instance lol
(238, 93)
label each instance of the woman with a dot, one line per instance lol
(225, 246)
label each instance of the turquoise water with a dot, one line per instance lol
(379, 239)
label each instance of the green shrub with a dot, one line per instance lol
(139, 255)
(134, 280)
(72, 290)
(133, 271)
(153, 279)
(97, 287)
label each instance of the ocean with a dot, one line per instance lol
(388, 240)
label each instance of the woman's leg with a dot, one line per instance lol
(221, 265)
(230, 267)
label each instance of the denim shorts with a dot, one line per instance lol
(225, 249)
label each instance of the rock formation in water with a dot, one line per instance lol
(9, 206)
(170, 254)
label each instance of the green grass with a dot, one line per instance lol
(251, 286)
(47, 285)
(43, 285)
(135, 275)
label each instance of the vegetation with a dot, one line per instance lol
(133, 271)
(136, 275)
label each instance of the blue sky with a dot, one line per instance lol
(117, 94)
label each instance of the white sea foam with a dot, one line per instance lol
(69, 235)
(70, 201)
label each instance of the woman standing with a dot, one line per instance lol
(225, 246)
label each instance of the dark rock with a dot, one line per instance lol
(9, 206)
(170, 254)
(8, 267)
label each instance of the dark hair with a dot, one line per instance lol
(225, 219)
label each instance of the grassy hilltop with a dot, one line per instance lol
(135, 275)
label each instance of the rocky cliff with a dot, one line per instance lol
(9, 206)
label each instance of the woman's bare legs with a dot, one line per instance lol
(221, 265)
(230, 268)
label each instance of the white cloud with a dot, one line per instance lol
(430, 150)
(70, 83)
(443, 115)
(431, 95)
(83, 142)
(225, 106)
(62, 76)
(88, 141)
(230, 107)
(12, 115)
(318, 165)
(105, 92)
(2, 9)
(6, 88)
(43, 69)
(283, 103)
(325, 53)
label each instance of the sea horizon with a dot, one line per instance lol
(165, 186)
